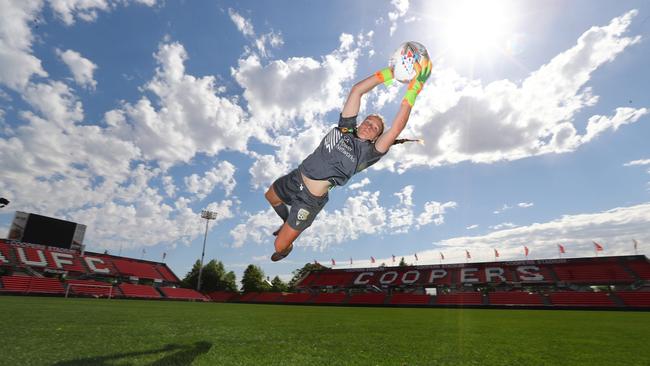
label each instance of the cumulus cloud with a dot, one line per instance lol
(82, 69)
(361, 214)
(69, 10)
(400, 9)
(221, 175)
(463, 120)
(192, 117)
(525, 204)
(615, 229)
(261, 43)
(638, 162)
(362, 183)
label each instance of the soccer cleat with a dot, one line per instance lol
(281, 255)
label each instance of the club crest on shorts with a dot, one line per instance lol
(303, 214)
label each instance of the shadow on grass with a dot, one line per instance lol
(180, 355)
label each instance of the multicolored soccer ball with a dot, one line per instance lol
(407, 54)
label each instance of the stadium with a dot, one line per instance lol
(122, 301)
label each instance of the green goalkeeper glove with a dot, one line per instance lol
(385, 76)
(415, 86)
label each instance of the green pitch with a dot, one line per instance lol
(57, 331)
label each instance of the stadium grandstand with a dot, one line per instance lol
(615, 282)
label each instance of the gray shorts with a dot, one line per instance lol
(304, 205)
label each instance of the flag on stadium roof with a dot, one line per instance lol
(636, 245)
(442, 256)
(598, 247)
(496, 253)
(526, 251)
(467, 255)
(416, 256)
(393, 258)
(561, 248)
(333, 262)
(350, 260)
(372, 259)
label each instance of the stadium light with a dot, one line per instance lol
(207, 215)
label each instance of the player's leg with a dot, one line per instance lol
(284, 242)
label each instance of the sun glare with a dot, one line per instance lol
(476, 27)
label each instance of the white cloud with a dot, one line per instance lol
(613, 228)
(505, 225)
(525, 204)
(638, 162)
(222, 175)
(462, 120)
(17, 64)
(364, 182)
(243, 25)
(503, 208)
(472, 227)
(401, 7)
(82, 69)
(86, 10)
(191, 118)
(361, 214)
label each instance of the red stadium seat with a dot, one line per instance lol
(576, 298)
(91, 288)
(296, 298)
(514, 298)
(635, 298)
(268, 297)
(222, 296)
(182, 294)
(410, 299)
(460, 298)
(139, 291)
(641, 268)
(32, 285)
(369, 298)
(327, 298)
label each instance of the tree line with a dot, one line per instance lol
(215, 278)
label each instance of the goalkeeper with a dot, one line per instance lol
(343, 152)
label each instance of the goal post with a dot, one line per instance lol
(70, 285)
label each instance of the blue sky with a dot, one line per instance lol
(133, 116)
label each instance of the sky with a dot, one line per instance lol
(132, 116)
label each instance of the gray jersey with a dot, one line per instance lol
(340, 155)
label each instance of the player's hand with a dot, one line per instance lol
(423, 69)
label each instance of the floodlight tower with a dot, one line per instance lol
(207, 215)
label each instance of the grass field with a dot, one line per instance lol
(57, 331)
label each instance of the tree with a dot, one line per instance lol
(253, 280)
(402, 263)
(230, 282)
(277, 285)
(213, 277)
(302, 272)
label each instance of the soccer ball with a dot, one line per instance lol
(403, 59)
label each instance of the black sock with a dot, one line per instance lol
(282, 211)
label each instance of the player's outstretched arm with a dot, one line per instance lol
(386, 140)
(353, 103)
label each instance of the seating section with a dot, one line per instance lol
(167, 275)
(223, 296)
(182, 294)
(369, 298)
(139, 291)
(514, 298)
(410, 299)
(641, 268)
(327, 298)
(460, 298)
(91, 288)
(296, 298)
(606, 272)
(575, 298)
(31, 285)
(635, 298)
(338, 278)
(137, 269)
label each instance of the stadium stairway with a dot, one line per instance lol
(629, 271)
